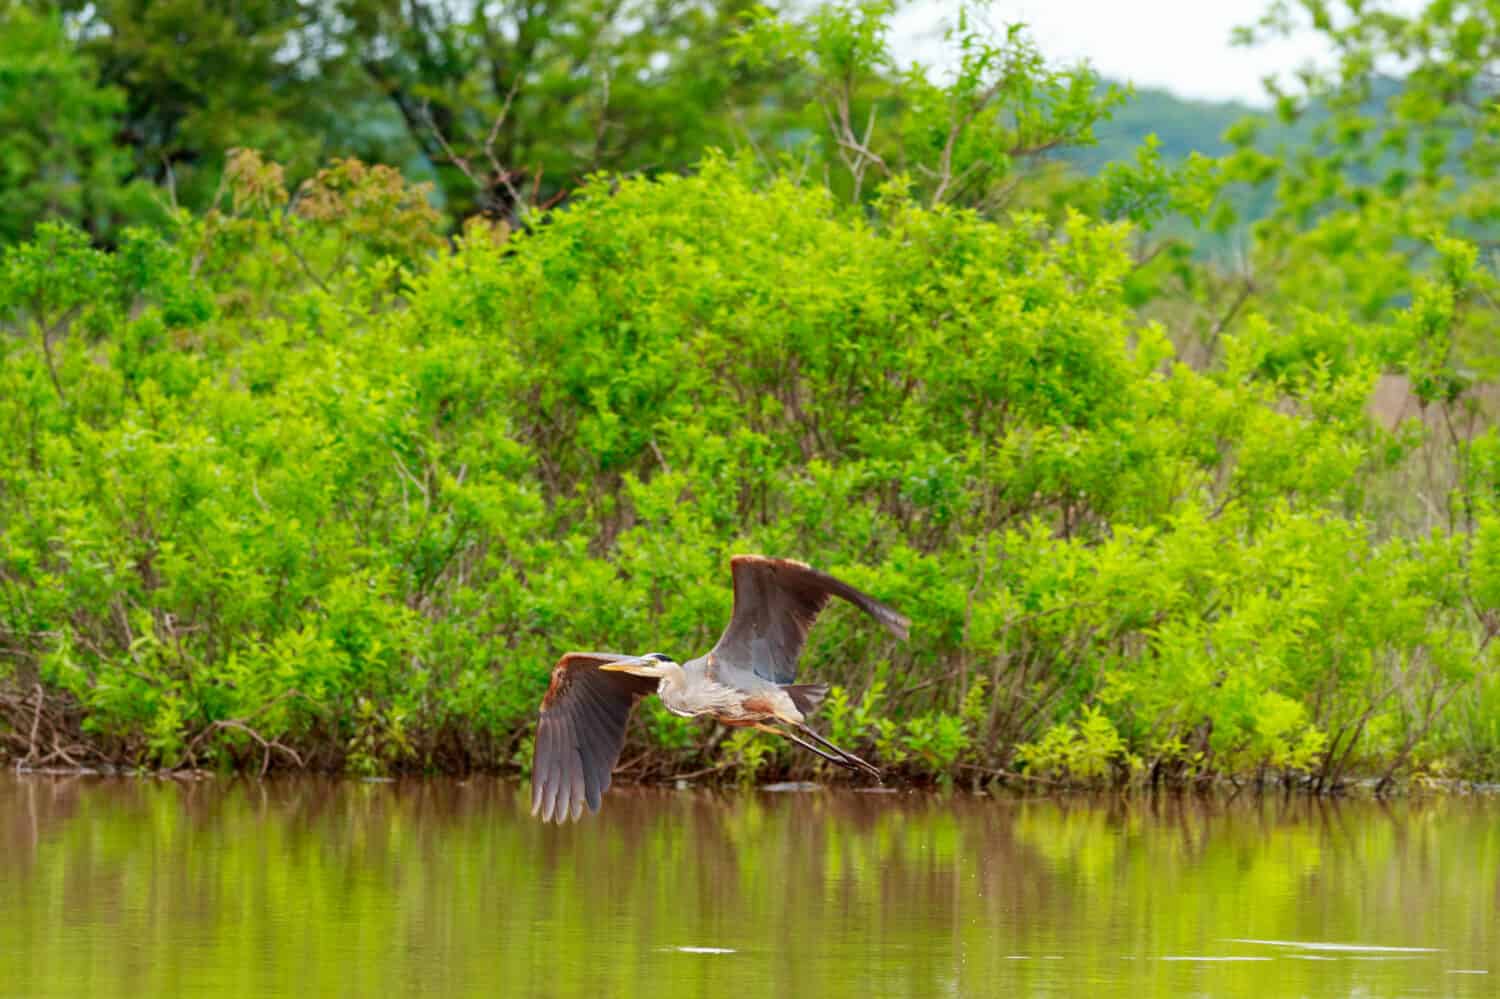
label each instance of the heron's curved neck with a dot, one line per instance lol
(672, 676)
(672, 688)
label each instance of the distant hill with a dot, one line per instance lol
(1185, 125)
(1182, 124)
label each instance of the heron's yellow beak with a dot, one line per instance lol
(639, 667)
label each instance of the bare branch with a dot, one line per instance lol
(854, 151)
(945, 162)
(499, 175)
(266, 745)
(500, 120)
(601, 125)
(459, 161)
(1247, 288)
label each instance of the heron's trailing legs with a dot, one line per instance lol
(839, 760)
(844, 759)
(867, 767)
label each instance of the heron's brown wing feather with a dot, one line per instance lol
(776, 601)
(580, 733)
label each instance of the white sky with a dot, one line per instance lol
(1182, 45)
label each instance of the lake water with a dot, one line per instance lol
(140, 888)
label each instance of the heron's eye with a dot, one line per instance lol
(659, 657)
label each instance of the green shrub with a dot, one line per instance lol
(297, 488)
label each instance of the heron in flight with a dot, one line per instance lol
(746, 680)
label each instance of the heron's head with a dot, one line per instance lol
(653, 664)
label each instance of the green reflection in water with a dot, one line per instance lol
(144, 888)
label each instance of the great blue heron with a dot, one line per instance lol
(745, 680)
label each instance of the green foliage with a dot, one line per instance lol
(57, 161)
(200, 77)
(294, 481)
(750, 750)
(532, 98)
(1088, 750)
(290, 486)
(872, 123)
(506, 106)
(1389, 169)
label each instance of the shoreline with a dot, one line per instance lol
(1019, 788)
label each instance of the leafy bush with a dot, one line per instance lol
(297, 482)
(295, 488)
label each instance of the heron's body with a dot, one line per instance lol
(692, 692)
(745, 680)
(696, 688)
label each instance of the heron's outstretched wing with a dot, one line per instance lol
(776, 601)
(581, 732)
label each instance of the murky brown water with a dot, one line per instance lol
(302, 888)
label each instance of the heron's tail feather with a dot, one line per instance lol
(807, 696)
